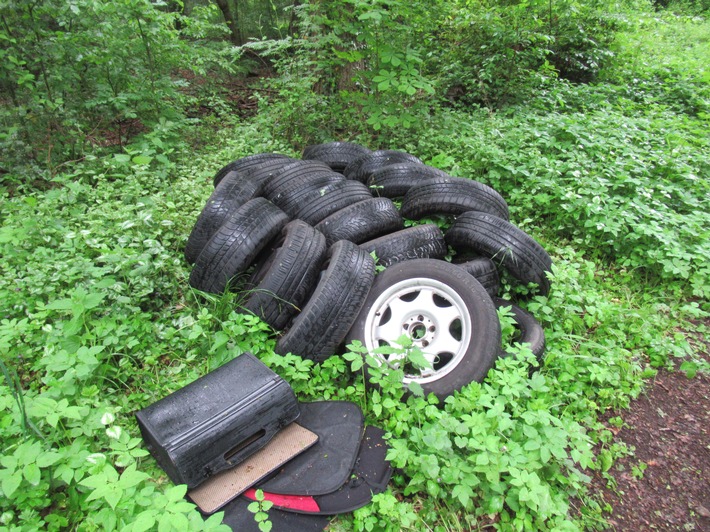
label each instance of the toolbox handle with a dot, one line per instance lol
(244, 444)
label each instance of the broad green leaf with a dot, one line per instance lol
(32, 474)
(416, 389)
(27, 453)
(176, 493)
(532, 445)
(60, 304)
(179, 521)
(377, 409)
(463, 493)
(144, 521)
(94, 481)
(93, 300)
(47, 459)
(142, 160)
(220, 339)
(113, 495)
(606, 460)
(10, 482)
(130, 477)
(375, 16)
(357, 363)
(65, 473)
(9, 461)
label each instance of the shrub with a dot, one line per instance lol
(495, 53)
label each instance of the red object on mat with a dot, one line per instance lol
(293, 502)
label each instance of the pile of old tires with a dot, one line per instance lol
(302, 240)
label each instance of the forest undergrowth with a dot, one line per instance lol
(97, 319)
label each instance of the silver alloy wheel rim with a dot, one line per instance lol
(429, 312)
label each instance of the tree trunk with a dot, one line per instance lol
(293, 20)
(229, 11)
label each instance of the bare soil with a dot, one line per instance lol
(668, 429)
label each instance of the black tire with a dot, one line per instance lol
(505, 243)
(317, 204)
(292, 173)
(485, 272)
(445, 312)
(235, 245)
(419, 242)
(246, 164)
(231, 193)
(293, 197)
(361, 169)
(264, 172)
(284, 279)
(452, 196)
(323, 323)
(394, 180)
(529, 329)
(337, 155)
(361, 221)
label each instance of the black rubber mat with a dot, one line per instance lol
(370, 476)
(327, 465)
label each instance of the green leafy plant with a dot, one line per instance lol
(260, 508)
(638, 470)
(97, 319)
(90, 73)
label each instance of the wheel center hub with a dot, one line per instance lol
(420, 328)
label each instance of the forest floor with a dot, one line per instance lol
(665, 484)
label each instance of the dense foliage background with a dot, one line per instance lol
(591, 118)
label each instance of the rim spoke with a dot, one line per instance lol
(399, 311)
(446, 316)
(392, 329)
(389, 332)
(444, 343)
(426, 298)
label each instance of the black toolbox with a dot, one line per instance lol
(218, 420)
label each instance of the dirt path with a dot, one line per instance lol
(665, 485)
